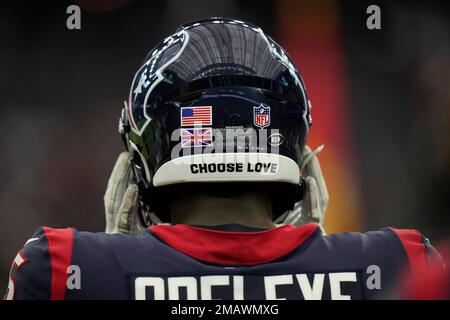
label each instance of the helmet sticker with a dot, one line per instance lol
(196, 116)
(261, 116)
(196, 137)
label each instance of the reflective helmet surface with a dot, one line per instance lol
(204, 88)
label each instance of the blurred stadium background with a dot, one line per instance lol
(381, 105)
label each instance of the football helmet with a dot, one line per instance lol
(217, 104)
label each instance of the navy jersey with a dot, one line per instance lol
(229, 262)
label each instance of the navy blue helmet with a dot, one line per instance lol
(217, 103)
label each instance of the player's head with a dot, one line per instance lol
(217, 102)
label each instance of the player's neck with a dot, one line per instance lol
(253, 210)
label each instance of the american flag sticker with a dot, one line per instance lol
(193, 116)
(196, 137)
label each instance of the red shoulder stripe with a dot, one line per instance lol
(415, 249)
(60, 243)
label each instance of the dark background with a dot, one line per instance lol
(61, 93)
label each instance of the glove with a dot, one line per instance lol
(121, 199)
(316, 197)
(315, 200)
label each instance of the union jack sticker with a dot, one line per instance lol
(196, 137)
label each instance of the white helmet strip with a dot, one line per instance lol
(228, 167)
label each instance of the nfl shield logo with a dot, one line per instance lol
(261, 116)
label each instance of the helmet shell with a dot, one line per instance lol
(218, 87)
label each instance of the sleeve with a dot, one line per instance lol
(428, 276)
(421, 254)
(39, 271)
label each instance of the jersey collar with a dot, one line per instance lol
(234, 247)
